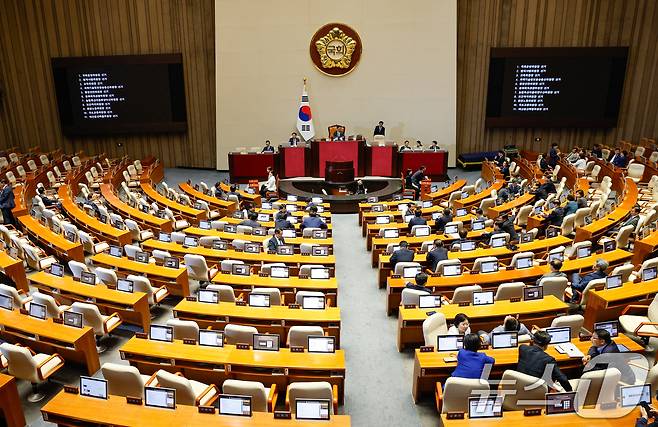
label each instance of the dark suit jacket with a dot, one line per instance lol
(379, 130)
(283, 224)
(633, 220)
(7, 198)
(417, 220)
(436, 255)
(441, 222)
(401, 255)
(272, 244)
(508, 227)
(410, 285)
(293, 141)
(627, 374)
(533, 361)
(267, 149)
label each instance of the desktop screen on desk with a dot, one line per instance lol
(452, 270)
(422, 231)
(234, 405)
(211, 338)
(307, 409)
(485, 407)
(279, 272)
(477, 225)
(116, 251)
(125, 285)
(524, 262)
(483, 298)
(263, 217)
(93, 387)
(220, 245)
(321, 344)
(612, 282)
(288, 233)
(319, 251)
(468, 245)
(291, 219)
(72, 318)
(449, 342)
(285, 250)
(436, 215)
(560, 403)
(498, 242)
(410, 272)
(611, 326)
(407, 218)
(450, 229)
(161, 333)
(319, 273)
(204, 225)
(560, 334)
(190, 241)
(7, 302)
(87, 278)
(461, 212)
(557, 255)
(584, 252)
(38, 310)
(533, 292)
(489, 267)
(648, 273)
(266, 205)
(429, 301)
(259, 300)
(427, 204)
(171, 262)
(313, 302)
(319, 234)
(57, 270)
(504, 339)
(391, 233)
(634, 394)
(269, 342)
(160, 397)
(208, 296)
(164, 237)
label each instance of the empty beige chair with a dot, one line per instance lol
(572, 251)
(36, 259)
(244, 229)
(525, 388)
(567, 227)
(33, 367)
(275, 294)
(32, 165)
(623, 236)
(239, 334)
(598, 386)
(518, 255)
(53, 309)
(487, 203)
(263, 399)
(101, 324)
(581, 214)
(307, 248)
(440, 266)
(131, 250)
(197, 269)
(19, 296)
(521, 219)
(106, 276)
(178, 237)
(554, 286)
(635, 321)
(464, 293)
(177, 223)
(412, 296)
(299, 296)
(184, 329)
(635, 171)
(594, 175)
(305, 269)
(477, 264)
(143, 284)
(298, 335)
(188, 392)
(208, 241)
(13, 157)
(226, 265)
(454, 196)
(135, 232)
(160, 255)
(125, 380)
(453, 396)
(11, 178)
(239, 244)
(400, 266)
(226, 292)
(510, 290)
(433, 326)
(311, 390)
(573, 321)
(625, 270)
(77, 268)
(267, 268)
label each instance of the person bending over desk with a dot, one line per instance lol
(579, 283)
(533, 360)
(470, 362)
(417, 177)
(438, 253)
(404, 254)
(313, 220)
(510, 324)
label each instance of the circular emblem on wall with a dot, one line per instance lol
(335, 49)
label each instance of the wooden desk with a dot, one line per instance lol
(431, 367)
(10, 403)
(51, 242)
(175, 279)
(253, 199)
(224, 207)
(215, 255)
(75, 410)
(196, 231)
(483, 317)
(517, 419)
(14, 268)
(607, 304)
(189, 213)
(478, 197)
(132, 307)
(101, 230)
(75, 345)
(643, 248)
(145, 220)
(266, 224)
(515, 203)
(371, 231)
(213, 365)
(444, 193)
(277, 319)
(288, 287)
(489, 281)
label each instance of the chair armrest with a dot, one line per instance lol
(211, 387)
(106, 321)
(334, 397)
(271, 399)
(51, 357)
(287, 399)
(645, 334)
(152, 381)
(26, 300)
(240, 297)
(21, 291)
(633, 307)
(213, 271)
(439, 397)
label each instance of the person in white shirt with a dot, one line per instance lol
(270, 185)
(581, 163)
(460, 325)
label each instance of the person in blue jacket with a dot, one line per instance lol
(471, 363)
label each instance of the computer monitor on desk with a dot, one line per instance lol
(230, 404)
(449, 342)
(489, 266)
(312, 409)
(160, 397)
(559, 335)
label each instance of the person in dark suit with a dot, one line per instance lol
(276, 240)
(579, 283)
(581, 200)
(440, 222)
(252, 220)
(504, 169)
(313, 220)
(417, 177)
(533, 360)
(435, 146)
(293, 140)
(419, 146)
(359, 188)
(339, 135)
(379, 129)
(421, 280)
(499, 159)
(268, 147)
(596, 151)
(417, 219)
(404, 254)
(619, 159)
(47, 201)
(281, 222)
(633, 220)
(507, 226)
(438, 253)
(217, 190)
(602, 343)
(7, 202)
(405, 147)
(546, 188)
(553, 155)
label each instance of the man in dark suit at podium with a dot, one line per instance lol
(379, 129)
(268, 147)
(294, 140)
(339, 135)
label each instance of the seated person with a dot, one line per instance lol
(233, 191)
(470, 362)
(556, 266)
(581, 200)
(633, 220)
(438, 253)
(339, 135)
(510, 324)
(405, 147)
(313, 220)
(463, 233)
(218, 192)
(479, 215)
(579, 283)
(581, 163)
(597, 152)
(404, 254)
(574, 155)
(47, 201)
(507, 226)
(359, 188)
(572, 206)
(504, 169)
(548, 187)
(276, 240)
(555, 217)
(408, 184)
(419, 146)
(281, 222)
(268, 147)
(499, 159)
(460, 325)
(293, 140)
(421, 280)
(440, 222)
(434, 146)
(252, 220)
(417, 219)
(533, 360)
(486, 237)
(602, 343)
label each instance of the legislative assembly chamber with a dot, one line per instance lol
(347, 213)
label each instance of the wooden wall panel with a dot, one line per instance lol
(33, 31)
(483, 24)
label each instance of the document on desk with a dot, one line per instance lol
(569, 349)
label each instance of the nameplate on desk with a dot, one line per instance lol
(23, 311)
(206, 409)
(238, 250)
(531, 412)
(71, 389)
(282, 415)
(305, 254)
(190, 298)
(271, 252)
(141, 335)
(515, 299)
(409, 306)
(240, 346)
(435, 275)
(76, 279)
(464, 304)
(473, 272)
(133, 400)
(240, 303)
(296, 349)
(395, 276)
(455, 416)
(303, 276)
(189, 341)
(58, 320)
(111, 286)
(293, 306)
(484, 346)
(426, 348)
(263, 275)
(509, 267)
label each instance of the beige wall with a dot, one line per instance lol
(406, 76)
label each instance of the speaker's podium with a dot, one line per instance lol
(340, 172)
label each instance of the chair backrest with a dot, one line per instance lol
(48, 301)
(123, 380)
(254, 389)
(418, 228)
(456, 392)
(239, 244)
(411, 296)
(625, 270)
(239, 334)
(244, 229)
(623, 236)
(573, 249)
(184, 392)
(197, 269)
(590, 286)
(308, 232)
(32, 165)
(568, 224)
(274, 293)
(477, 264)
(267, 268)
(598, 386)
(184, 329)
(635, 170)
(464, 293)
(297, 335)
(555, 286)
(441, 264)
(574, 321)
(309, 390)
(510, 290)
(579, 219)
(226, 292)
(131, 250)
(142, 284)
(106, 275)
(90, 316)
(226, 265)
(525, 388)
(522, 216)
(518, 255)
(77, 268)
(307, 248)
(21, 363)
(433, 326)
(160, 255)
(12, 292)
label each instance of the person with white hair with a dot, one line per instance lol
(579, 283)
